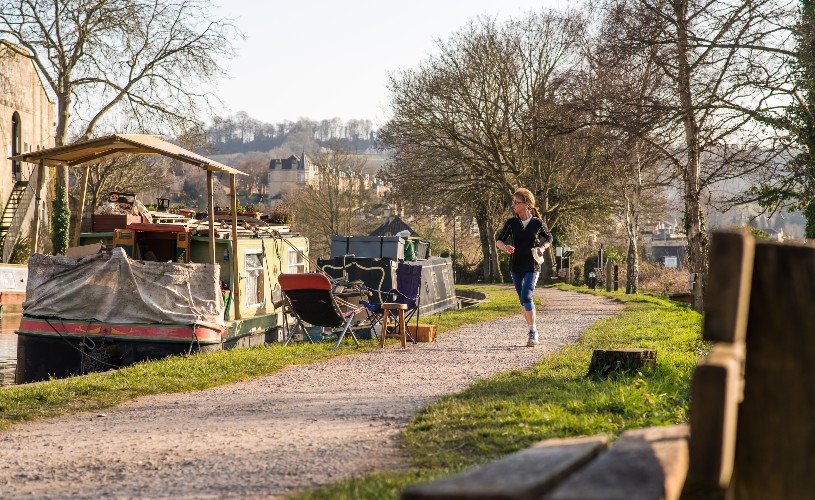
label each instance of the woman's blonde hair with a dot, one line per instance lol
(527, 197)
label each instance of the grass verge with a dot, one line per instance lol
(511, 411)
(203, 370)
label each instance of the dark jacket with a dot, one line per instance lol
(523, 239)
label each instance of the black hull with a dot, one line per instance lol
(41, 357)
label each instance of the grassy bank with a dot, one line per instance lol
(505, 413)
(200, 371)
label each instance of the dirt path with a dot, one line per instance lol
(302, 427)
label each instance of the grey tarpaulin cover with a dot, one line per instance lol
(111, 288)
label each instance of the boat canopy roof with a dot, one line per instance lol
(78, 153)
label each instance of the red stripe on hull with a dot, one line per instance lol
(160, 333)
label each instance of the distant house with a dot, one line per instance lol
(666, 245)
(777, 234)
(391, 226)
(287, 175)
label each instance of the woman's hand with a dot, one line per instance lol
(507, 248)
(503, 246)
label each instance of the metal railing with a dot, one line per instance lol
(17, 221)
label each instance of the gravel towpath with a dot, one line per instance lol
(304, 426)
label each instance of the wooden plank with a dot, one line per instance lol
(236, 280)
(526, 474)
(211, 211)
(643, 464)
(35, 238)
(727, 293)
(717, 389)
(775, 442)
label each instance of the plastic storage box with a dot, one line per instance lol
(375, 247)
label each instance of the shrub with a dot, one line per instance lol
(281, 213)
(577, 276)
(21, 251)
(657, 278)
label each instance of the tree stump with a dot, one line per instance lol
(604, 362)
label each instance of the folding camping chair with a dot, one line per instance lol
(407, 291)
(311, 298)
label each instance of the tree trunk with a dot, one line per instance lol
(694, 220)
(487, 244)
(496, 276)
(633, 265)
(61, 212)
(809, 214)
(632, 219)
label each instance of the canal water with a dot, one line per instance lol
(8, 347)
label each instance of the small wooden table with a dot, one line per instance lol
(393, 307)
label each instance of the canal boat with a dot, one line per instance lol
(148, 290)
(108, 309)
(374, 260)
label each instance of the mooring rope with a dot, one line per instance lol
(80, 351)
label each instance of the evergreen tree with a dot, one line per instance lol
(801, 113)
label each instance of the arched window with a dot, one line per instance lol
(16, 143)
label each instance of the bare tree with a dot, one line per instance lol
(256, 166)
(147, 59)
(706, 49)
(626, 92)
(128, 174)
(242, 122)
(492, 111)
(330, 207)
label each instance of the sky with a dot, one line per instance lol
(321, 59)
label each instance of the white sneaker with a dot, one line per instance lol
(533, 339)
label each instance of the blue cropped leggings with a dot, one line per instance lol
(525, 285)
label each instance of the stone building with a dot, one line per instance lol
(27, 123)
(666, 244)
(287, 175)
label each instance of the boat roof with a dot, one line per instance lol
(75, 154)
(168, 228)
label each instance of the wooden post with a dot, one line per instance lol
(211, 213)
(78, 228)
(717, 380)
(236, 295)
(774, 454)
(608, 276)
(35, 239)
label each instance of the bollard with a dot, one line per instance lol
(608, 276)
(616, 277)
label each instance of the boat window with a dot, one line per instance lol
(297, 261)
(253, 265)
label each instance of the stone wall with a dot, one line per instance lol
(22, 91)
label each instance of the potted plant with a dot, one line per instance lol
(249, 211)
